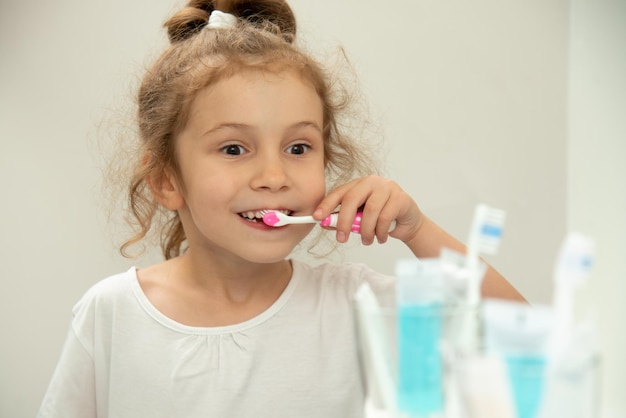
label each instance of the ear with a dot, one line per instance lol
(166, 189)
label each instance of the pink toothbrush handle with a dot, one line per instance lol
(331, 221)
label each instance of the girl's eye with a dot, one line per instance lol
(298, 149)
(233, 150)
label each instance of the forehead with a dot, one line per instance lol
(246, 79)
(258, 96)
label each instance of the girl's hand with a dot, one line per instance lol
(382, 200)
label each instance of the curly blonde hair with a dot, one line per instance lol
(261, 40)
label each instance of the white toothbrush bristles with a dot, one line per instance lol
(487, 230)
(484, 238)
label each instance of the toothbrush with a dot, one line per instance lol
(276, 219)
(572, 269)
(484, 238)
(375, 338)
(570, 343)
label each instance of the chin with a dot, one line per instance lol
(267, 256)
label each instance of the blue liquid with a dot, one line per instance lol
(419, 359)
(526, 375)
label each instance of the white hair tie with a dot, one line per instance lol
(221, 20)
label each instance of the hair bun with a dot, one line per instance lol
(189, 20)
(260, 13)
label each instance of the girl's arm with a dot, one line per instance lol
(384, 201)
(429, 240)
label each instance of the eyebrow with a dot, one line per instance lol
(243, 126)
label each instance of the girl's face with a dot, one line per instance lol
(252, 142)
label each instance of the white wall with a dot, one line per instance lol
(64, 65)
(597, 177)
(471, 96)
(472, 99)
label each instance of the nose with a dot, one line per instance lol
(270, 174)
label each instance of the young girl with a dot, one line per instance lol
(234, 119)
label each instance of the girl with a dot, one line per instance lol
(234, 120)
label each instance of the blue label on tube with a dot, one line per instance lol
(420, 389)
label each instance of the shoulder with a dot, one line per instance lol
(97, 308)
(106, 293)
(112, 285)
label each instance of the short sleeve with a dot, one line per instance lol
(71, 393)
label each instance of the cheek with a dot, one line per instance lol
(217, 191)
(208, 188)
(317, 187)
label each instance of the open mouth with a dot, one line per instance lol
(257, 216)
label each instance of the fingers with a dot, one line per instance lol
(379, 199)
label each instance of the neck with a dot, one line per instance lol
(234, 281)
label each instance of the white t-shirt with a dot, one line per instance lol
(298, 359)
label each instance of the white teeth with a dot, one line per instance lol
(259, 213)
(286, 212)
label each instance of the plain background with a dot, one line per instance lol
(518, 104)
